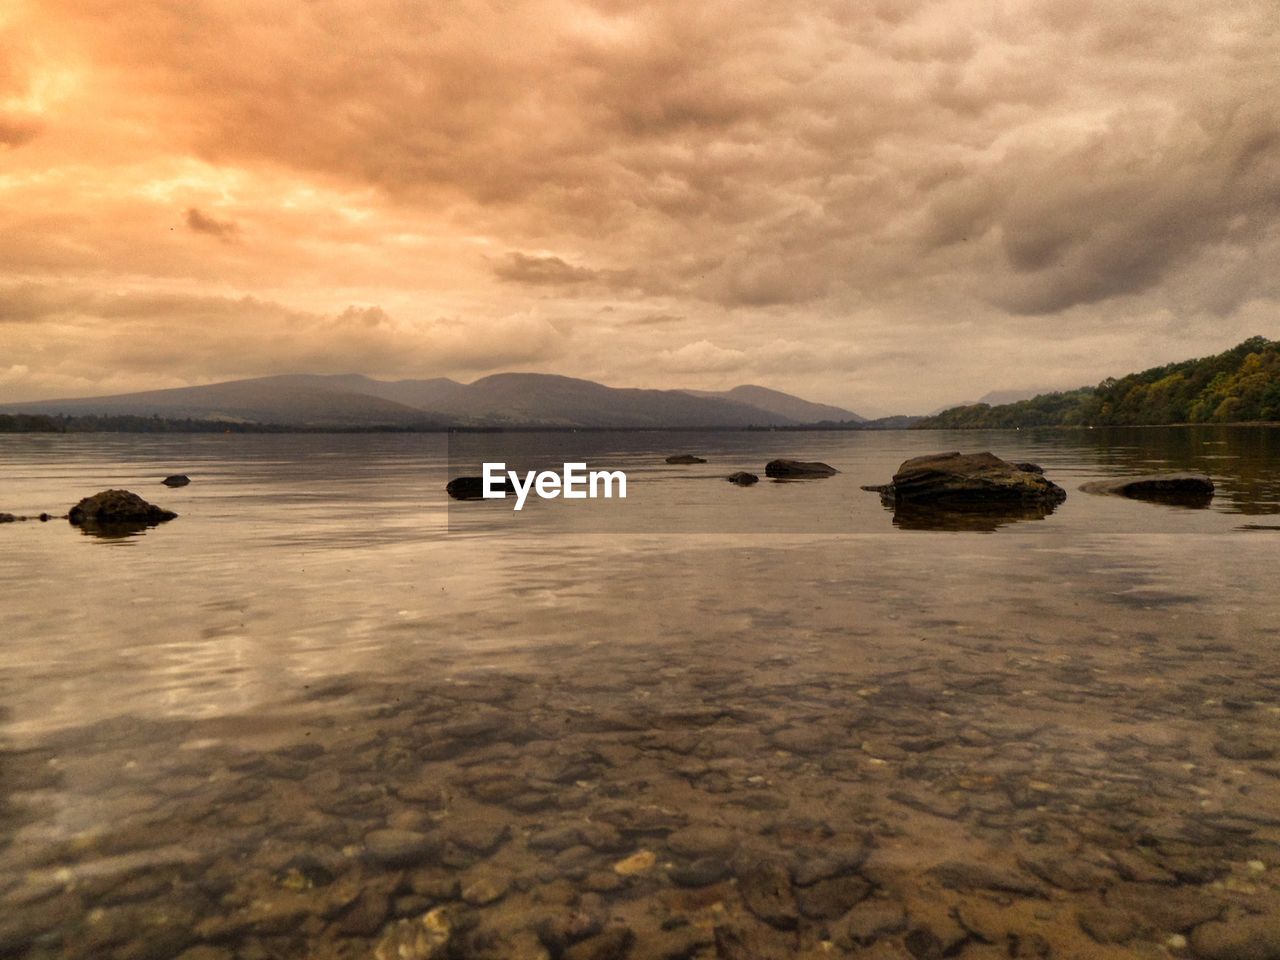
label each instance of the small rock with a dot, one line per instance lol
(765, 887)
(957, 875)
(472, 488)
(1243, 748)
(700, 873)
(398, 847)
(176, 480)
(1106, 926)
(425, 938)
(1255, 937)
(829, 899)
(485, 886)
(870, 920)
(612, 944)
(740, 941)
(683, 458)
(638, 862)
(695, 842)
(742, 478)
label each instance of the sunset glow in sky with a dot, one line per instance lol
(889, 204)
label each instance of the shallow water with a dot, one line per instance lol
(703, 721)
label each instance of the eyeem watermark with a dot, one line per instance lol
(575, 482)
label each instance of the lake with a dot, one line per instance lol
(328, 712)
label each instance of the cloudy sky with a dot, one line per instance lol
(887, 204)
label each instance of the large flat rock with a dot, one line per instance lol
(968, 480)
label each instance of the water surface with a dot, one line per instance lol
(658, 714)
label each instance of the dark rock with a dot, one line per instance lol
(683, 458)
(1242, 748)
(695, 842)
(1189, 489)
(870, 920)
(112, 507)
(7, 518)
(700, 873)
(742, 478)
(1254, 937)
(1163, 909)
(569, 926)
(956, 479)
(176, 480)
(365, 917)
(117, 513)
(612, 944)
(830, 860)
(923, 944)
(472, 488)
(829, 899)
(399, 847)
(798, 469)
(765, 886)
(740, 941)
(957, 875)
(1107, 926)
(1065, 872)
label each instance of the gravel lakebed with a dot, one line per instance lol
(981, 796)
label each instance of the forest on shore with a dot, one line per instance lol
(1240, 385)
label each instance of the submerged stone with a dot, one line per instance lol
(1187, 488)
(798, 469)
(685, 458)
(472, 488)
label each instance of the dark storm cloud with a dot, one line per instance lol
(201, 222)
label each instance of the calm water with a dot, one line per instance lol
(205, 726)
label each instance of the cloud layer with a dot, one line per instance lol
(893, 204)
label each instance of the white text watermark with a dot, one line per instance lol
(575, 482)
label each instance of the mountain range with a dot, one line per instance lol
(501, 400)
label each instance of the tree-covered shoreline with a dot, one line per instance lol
(1240, 385)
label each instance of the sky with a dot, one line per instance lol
(891, 205)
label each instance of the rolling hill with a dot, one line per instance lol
(1240, 385)
(505, 399)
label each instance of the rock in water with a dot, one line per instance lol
(7, 518)
(176, 480)
(1188, 488)
(742, 478)
(966, 480)
(798, 469)
(685, 458)
(472, 488)
(119, 507)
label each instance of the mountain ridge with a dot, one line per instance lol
(497, 400)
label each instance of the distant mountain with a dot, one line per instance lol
(782, 404)
(1009, 396)
(265, 400)
(1238, 386)
(506, 399)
